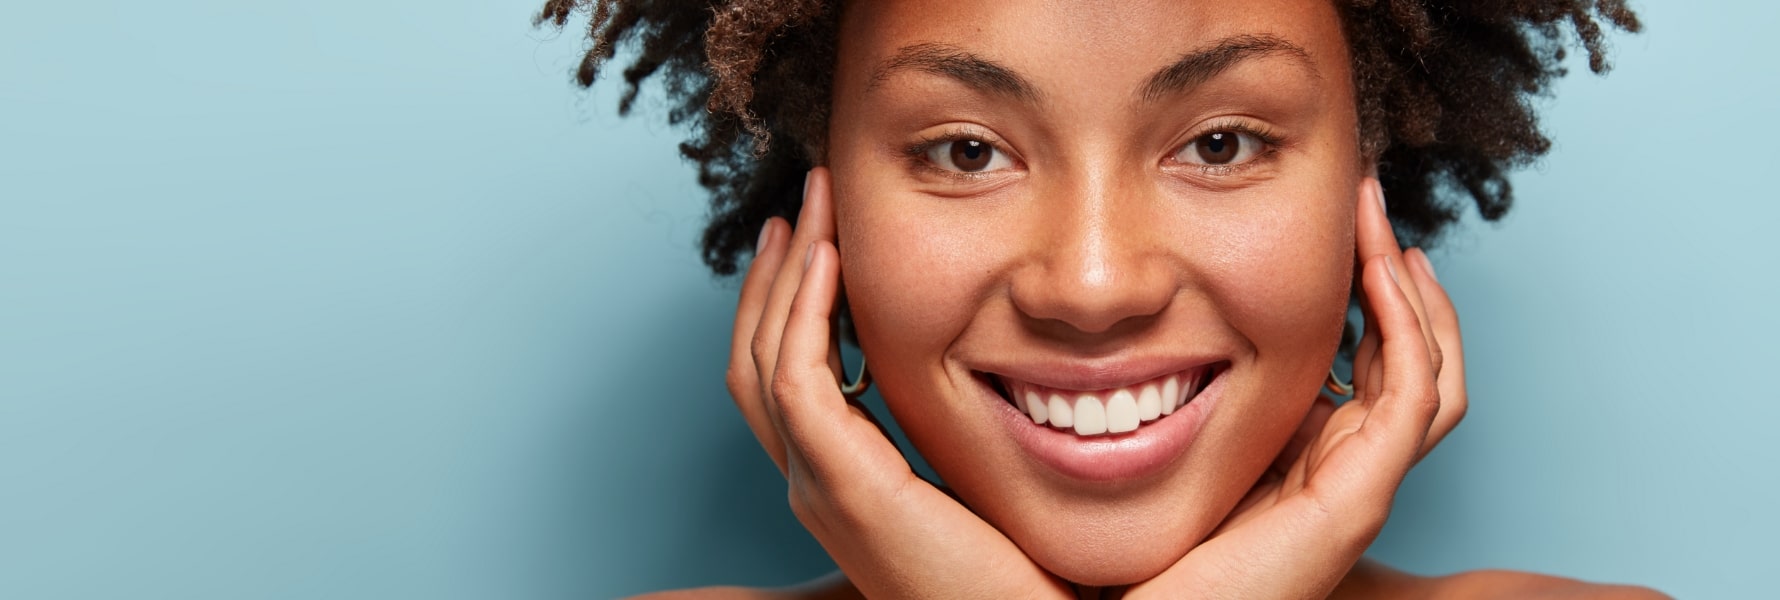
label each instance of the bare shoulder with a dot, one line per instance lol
(1372, 579)
(833, 586)
(1517, 584)
(714, 593)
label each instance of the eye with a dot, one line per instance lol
(1221, 148)
(967, 156)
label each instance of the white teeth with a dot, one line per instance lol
(1149, 404)
(1090, 416)
(1035, 407)
(1062, 415)
(1121, 412)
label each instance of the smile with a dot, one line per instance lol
(1108, 411)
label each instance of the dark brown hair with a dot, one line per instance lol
(1444, 90)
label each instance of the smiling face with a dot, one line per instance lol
(1054, 211)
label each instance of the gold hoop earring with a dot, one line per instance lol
(1335, 386)
(860, 384)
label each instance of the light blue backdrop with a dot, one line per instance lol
(353, 300)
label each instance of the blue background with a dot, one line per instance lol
(356, 300)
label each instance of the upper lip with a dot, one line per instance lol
(1088, 375)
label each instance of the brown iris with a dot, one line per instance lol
(1219, 148)
(971, 155)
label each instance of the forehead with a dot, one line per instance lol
(1064, 44)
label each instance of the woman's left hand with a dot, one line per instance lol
(1302, 528)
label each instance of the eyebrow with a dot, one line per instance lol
(1200, 65)
(1193, 68)
(957, 63)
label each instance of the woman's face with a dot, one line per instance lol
(1100, 208)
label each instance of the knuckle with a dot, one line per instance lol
(739, 380)
(1457, 408)
(760, 348)
(783, 384)
(734, 381)
(1426, 404)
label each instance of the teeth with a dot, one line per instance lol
(1121, 412)
(1112, 411)
(1149, 404)
(1062, 415)
(1090, 416)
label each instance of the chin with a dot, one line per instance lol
(1108, 545)
(1104, 508)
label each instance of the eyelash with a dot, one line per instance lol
(1272, 142)
(918, 151)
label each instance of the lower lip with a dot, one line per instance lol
(1110, 458)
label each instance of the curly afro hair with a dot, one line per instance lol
(1444, 92)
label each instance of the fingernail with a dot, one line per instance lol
(765, 228)
(806, 182)
(1379, 188)
(1390, 265)
(1427, 265)
(809, 254)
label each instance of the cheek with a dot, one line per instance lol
(913, 280)
(1283, 276)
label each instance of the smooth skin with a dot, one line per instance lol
(1098, 238)
(896, 536)
(1098, 242)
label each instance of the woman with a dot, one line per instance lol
(1100, 257)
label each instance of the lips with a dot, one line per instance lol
(1109, 436)
(1107, 411)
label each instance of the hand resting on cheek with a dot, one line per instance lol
(895, 535)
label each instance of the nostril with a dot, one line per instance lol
(1095, 300)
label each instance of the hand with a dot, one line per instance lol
(1300, 530)
(892, 533)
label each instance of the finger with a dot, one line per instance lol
(1364, 244)
(1407, 399)
(860, 409)
(1366, 354)
(1443, 319)
(1373, 237)
(1374, 370)
(813, 222)
(825, 439)
(743, 377)
(809, 402)
(814, 413)
(835, 365)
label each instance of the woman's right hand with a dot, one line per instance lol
(894, 534)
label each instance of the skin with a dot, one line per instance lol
(1098, 248)
(1097, 241)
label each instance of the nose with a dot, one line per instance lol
(1096, 259)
